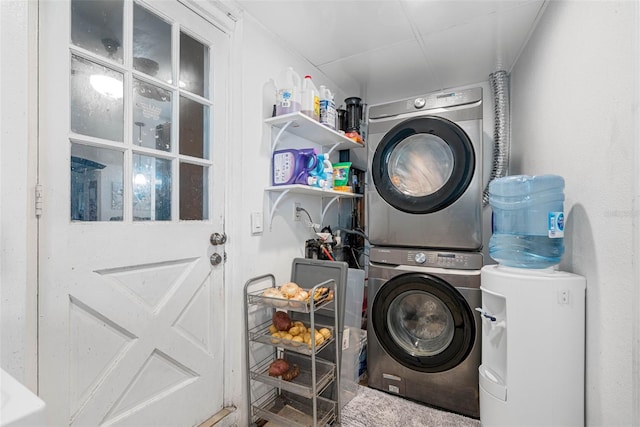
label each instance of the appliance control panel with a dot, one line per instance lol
(427, 102)
(448, 99)
(427, 258)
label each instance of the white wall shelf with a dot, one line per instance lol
(305, 127)
(283, 190)
(302, 126)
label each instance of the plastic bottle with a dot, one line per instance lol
(291, 166)
(327, 108)
(310, 99)
(288, 92)
(528, 220)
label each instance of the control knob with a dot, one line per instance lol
(420, 257)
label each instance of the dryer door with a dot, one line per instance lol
(423, 322)
(423, 164)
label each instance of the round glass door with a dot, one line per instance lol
(423, 165)
(420, 165)
(420, 323)
(423, 322)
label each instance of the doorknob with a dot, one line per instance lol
(218, 239)
(215, 258)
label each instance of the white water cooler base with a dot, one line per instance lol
(532, 371)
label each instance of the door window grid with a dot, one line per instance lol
(156, 143)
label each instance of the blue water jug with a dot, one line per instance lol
(528, 220)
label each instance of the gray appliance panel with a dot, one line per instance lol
(455, 390)
(458, 226)
(432, 101)
(421, 257)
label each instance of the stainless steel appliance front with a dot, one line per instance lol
(423, 332)
(424, 178)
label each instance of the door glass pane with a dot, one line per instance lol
(151, 188)
(151, 44)
(152, 111)
(420, 165)
(420, 323)
(97, 106)
(194, 192)
(194, 135)
(96, 183)
(96, 25)
(194, 65)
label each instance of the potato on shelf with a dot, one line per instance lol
(326, 333)
(278, 367)
(281, 321)
(281, 368)
(297, 332)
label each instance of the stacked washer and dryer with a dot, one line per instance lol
(424, 211)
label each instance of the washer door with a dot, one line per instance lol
(423, 165)
(423, 322)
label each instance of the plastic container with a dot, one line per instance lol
(341, 175)
(528, 220)
(354, 113)
(322, 175)
(341, 120)
(288, 92)
(310, 99)
(327, 108)
(292, 166)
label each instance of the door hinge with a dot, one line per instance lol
(39, 200)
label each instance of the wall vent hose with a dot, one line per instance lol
(499, 81)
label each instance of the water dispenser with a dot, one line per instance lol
(533, 339)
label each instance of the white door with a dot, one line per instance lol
(131, 163)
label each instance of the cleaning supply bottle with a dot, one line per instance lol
(288, 92)
(310, 99)
(327, 108)
(291, 166)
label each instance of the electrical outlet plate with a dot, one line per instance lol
(296, 213)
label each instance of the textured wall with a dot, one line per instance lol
(573, 104)
(261, 57)
(17, 175)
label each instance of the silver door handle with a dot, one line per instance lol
(218, 239)
(215, 258)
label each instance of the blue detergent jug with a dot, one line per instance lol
(291, 166)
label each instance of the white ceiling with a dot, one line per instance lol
(392, 49)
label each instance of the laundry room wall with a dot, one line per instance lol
(261, 56)
(18, 295)
(574, 113)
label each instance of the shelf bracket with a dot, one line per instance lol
(333, 148)
(280, 132)
(275, 205)
(326, 208)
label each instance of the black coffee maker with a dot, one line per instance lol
(354, 113)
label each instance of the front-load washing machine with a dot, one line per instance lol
(423, 332)
(425, 171)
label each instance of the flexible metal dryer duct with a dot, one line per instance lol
(502, 128)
